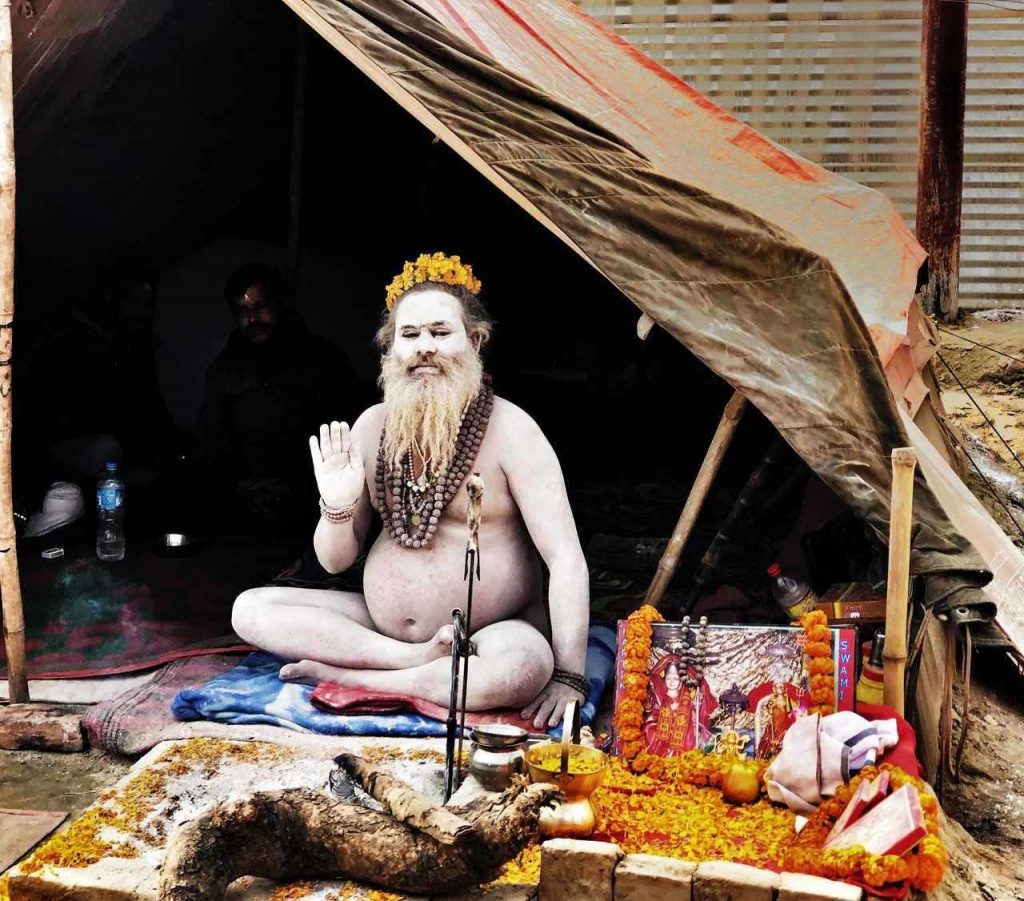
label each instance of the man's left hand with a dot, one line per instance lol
(548, 708)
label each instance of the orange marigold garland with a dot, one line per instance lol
(923, 867)
(820, 663)
(629, 714)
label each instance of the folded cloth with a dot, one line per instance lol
(253, 693)
(904, 755)
(821, 753)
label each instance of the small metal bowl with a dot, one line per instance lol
(499, 735)
(176, 544)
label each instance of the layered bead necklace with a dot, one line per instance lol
(416, 505)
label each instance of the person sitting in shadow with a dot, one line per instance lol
(271, 385)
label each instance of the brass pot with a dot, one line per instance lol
(575, 817)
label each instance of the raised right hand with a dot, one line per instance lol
(338, 465)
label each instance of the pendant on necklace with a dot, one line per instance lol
(415, 520)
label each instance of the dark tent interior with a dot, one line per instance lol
(163, 144)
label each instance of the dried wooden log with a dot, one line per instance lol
(404, 804)
(305, 834)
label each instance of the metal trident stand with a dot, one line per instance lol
(462, 647)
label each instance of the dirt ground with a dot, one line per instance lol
(36, 780)
(989, 377)
(987, 803)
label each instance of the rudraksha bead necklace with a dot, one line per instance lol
(417, 507)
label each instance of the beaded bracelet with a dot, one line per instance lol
(576, 681)
(333, 515)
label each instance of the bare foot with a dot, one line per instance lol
(311, 672)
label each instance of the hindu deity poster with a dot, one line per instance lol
(730, 688)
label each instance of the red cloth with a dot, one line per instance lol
(904, 755)
(335, 698)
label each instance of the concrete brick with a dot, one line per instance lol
(645, 877)
(572, 869)
(720, 880)
(802, 887)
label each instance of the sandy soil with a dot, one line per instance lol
(989, 380)
(987, 804)
(36, 780)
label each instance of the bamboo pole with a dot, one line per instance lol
(695, 500)
(897, 596)
(10, 589)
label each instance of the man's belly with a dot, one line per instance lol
(411, 593)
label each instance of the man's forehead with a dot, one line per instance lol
(258, 293)
(428, 308)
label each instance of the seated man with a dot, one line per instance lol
(273, 382)
(405, 460)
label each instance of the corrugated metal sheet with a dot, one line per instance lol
(837, 81)
(992, 246)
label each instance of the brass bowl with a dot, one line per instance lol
(544, 763)
(551, 762)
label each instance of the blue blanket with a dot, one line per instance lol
(252, 693)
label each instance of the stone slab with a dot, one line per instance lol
(646, 877)
(719, 880)
(803, 887)
(572, 869)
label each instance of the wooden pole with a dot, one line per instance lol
(894, 657)
(295, 172)
(698, 493)
(10, 588)
(940, 154)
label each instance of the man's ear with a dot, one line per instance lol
(477, 340)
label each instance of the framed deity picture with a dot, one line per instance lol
(729, 688)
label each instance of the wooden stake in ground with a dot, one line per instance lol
(894, 657)
(10, 587)
(698, 493)
(305, 834)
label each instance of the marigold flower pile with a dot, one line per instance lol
(923, 867)
(629, 714)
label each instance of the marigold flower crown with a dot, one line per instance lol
(432, 267)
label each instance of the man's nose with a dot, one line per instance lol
(426, 344)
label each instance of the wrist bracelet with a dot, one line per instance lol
(576, 681)
(337, 515)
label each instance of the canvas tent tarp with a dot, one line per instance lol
(788, 281)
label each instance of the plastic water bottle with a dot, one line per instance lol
(110, 514)
(795, 597)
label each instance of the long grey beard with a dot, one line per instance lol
(423, 415)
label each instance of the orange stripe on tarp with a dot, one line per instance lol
(464, 25)
(695, 96)
(539, 38)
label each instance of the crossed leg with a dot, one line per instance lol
(512, 664)
(332, 627)
(333, 638)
